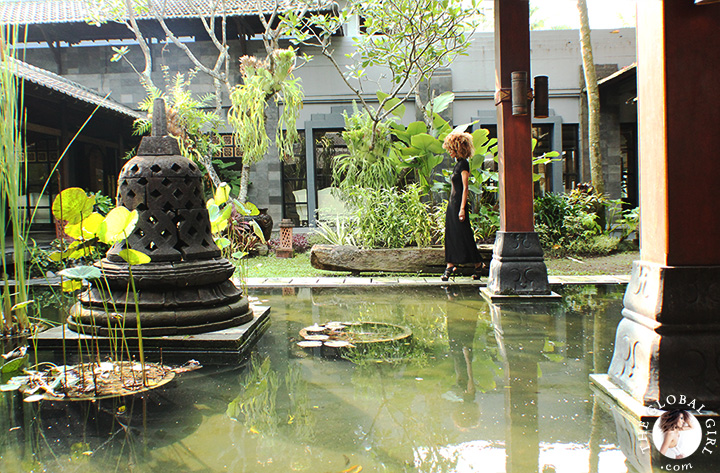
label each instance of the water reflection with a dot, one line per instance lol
(482, 388)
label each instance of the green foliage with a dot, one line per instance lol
(625, 222)
(103, 203)
(485, 221)
(235, 234)
(419, 148)
(368, 162)
(195, 128)
(12, 182)
(341, 233)
(73, 205)
(262, 81)
(482, 183)
(88, 229)
(407, 39)
(392, 218)
(570, 224)
(117, 225)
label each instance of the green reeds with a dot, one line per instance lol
(12, 184)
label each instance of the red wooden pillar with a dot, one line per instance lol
(517, 267)
(668, 343)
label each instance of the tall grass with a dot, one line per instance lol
(12, 184)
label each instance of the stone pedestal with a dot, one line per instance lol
(517, 266)
(668, 342)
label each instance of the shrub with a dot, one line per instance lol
(568, 223)
(598, 245)
(392, 218)
(339, 233)
(485, 222)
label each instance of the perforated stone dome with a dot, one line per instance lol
(173, 223)
(186, 287)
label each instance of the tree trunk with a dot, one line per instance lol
(244, 182)
(212, 174)
(593, 95)
(398, 260)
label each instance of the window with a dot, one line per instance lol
(42, 154)
(571, 163)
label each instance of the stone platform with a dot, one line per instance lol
(488, 295)
(234, 341)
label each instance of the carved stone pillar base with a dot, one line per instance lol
(668, 342)
(517, 266)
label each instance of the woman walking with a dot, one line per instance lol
(460, 246)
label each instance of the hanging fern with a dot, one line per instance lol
(264, 80)
(366, 165)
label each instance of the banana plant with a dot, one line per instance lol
(481, 180)
(417, 147)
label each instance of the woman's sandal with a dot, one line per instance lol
(478, 272)
(449, 273)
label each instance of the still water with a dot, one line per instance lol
(481, 388)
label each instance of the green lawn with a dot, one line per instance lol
(299, 266)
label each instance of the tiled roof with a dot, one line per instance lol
(622, 72)
(67, 11)
(55, 82)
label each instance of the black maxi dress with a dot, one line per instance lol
(460, 244)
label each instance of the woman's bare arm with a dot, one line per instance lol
(669, 437)
(465, 178)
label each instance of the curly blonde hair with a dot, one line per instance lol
(459, 145)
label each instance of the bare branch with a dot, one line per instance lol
(146, 75)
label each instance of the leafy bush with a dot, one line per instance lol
(341, 233)
(574, 223)
(485, 223)
(560, 222)
(392, 218)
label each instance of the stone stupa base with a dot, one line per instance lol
(234, 341)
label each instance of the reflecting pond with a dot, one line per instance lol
(480, 388)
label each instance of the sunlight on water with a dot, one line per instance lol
(479, 388)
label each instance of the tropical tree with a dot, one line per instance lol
(407, 40)
(593, 95)
(277, 67)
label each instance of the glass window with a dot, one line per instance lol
(328, 144)
(41, 157)
(571, 162)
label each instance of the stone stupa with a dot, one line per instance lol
(186, 288)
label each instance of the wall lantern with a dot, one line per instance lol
(285, 250)
(519, 93)
(542, 101)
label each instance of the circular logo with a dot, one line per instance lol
(677, 434)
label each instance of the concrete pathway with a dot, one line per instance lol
(429, 281)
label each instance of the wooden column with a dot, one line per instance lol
(512, 53)
(517, 267)
(668, 343)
